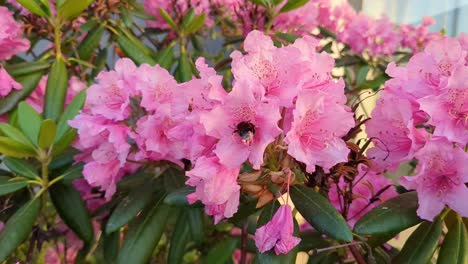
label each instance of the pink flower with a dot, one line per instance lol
(440, 178)
(369, 190)
(301, 20)
(320, 120)
(215, 186)
(276, 69)
(448, 111)
(7, 83)
(392, 131)
(156, 85)
(417, 37)
(277, 233)
(11, 32)
(244, 125)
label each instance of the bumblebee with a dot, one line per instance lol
(246, 131)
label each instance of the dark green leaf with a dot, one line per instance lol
(318, 211)
(293, 4)
(133, 51)
(361, 74)
(455, 247)
(73, 173)
(70, 9)
(267, 213)
(143, 238)
(70, 112)
(57, 84)
(195, 24)
(47, 134)
(195, 220)
(21, 168)
(312, 240)
(29, 121)
(73, 211)
(29, 83)
(26, 68)
(165, 57)
(36, 7)
(111, 246)
(64, 142)
(288, 37)
(18, 228)
(13, 148)
(184, 69)
(129, 207)
(179, 196)
(8, 186)
(90, 43)
(221, 252)
(180, 237)
(421, 245)
(391, 217)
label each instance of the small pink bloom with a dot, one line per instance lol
(215, 186)
(156, 85)
(11, 33)
(244, 125)
(7, 83)
(320, 120)
(441, 177)
(277, 233)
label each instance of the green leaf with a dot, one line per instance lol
(21, 168)
(195, 221)
(318, 211)
(271, 258)
(312, 240)
(188, 18)
(29, 121)
(293, 4)
(129, 207)
(195, 24)
(9, 186)
(29, 83)
(141, 241)
(47, 134)
(288, 37)
(26, 68)
(90, 43)
(391, 217)
(18, 228)
(73, 173)
(361, 74)
(179, 240)
(70, 112)
(16, 149)
(70, 9)
(133, 51)
(57, 84)
(35, 6)
(72, 210)
(15, 134)
(455, 247)
(111, 246)
(179, 196)
(64, 142)
(165, 57)
(184, 69)
(221, 252)
(168, 19)
(421, 245)
(267, 213)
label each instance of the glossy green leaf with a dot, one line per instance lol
(73, 173)
(21, 168)
(143, 238)
(165, 57)
(195, 220)
(293, 4)
(35, 6)
(8, 186)
(47, 134)
(90, 43)
(70, 9)
(15, 134)
(179, 240)
(455, 247)
(318, 211)
(29, 83)
(26, 68)
(188, 17)
(421, 245)
(70, 112)
(18, 228)
(57, 84)
(64, 142)
(129, 207)
(179, 197)
(168, 19)
(72, 210)
(221, 252)
(195, 24)
(133, 51)
(111, 243)
(391, 217)
(29, 121)
(12, 148)
(184, 69)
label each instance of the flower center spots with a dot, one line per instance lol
(115, 97)
(246, 131)
(444, 68)
(442, 184)
(265, 71)
(310, 134)
(458, 108)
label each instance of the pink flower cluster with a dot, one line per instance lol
(281, 95)
(429, 124)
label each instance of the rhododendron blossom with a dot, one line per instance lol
(11, 32)
(7, 83)
(440, 178)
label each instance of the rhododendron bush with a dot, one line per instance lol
(229, 131)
